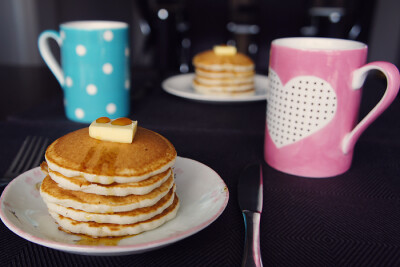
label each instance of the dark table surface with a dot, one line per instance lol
(349, 220)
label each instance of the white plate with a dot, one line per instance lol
(181, 85)
(203, 196)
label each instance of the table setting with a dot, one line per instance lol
(304, 171)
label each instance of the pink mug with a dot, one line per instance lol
(313, 98)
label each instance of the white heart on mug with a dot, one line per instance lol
(305, 105)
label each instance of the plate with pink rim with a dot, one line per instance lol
(181, 85)
(203, 197)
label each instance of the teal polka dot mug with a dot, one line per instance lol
(94, 72)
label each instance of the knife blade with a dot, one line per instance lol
(250, 198)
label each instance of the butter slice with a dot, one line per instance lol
(113, 133)
(225, 50)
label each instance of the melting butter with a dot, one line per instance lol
(121, 130)
(225, 50)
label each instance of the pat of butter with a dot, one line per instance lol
(120, 130)
(225, 50)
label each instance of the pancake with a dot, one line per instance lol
(127, 217)
(208, 60)
(108, 230)
(103, 188)
(228, 82)
(235, 88)
(104, 162)
(115, 189)
(224, 90)
(52, 193)
(223, 75)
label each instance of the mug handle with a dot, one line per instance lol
(48, 57)
(393, 83)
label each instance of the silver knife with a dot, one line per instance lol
(250, 196)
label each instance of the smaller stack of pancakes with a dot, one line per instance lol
(223, 72)
(107, 189)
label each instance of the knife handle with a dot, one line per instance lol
(252, 255)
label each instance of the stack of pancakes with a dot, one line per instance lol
(106, 189)
(223, 75)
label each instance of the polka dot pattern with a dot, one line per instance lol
(302, 107)
(81, 50)
(108, 35)
(96, 73)
(91, 89)
(79, 113)
(69, 82)
(107, 68)
(111, 108)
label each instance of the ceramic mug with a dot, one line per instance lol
(313, 98)
(94, 72)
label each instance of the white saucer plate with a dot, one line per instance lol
(203, 197)
(181, 85)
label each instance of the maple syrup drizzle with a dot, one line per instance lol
(88, 157)
(86, 240)
(37, 186)
(103, 120)
(100, 241)
(106, 161)
(121, 121)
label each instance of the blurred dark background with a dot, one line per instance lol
(166, 34)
